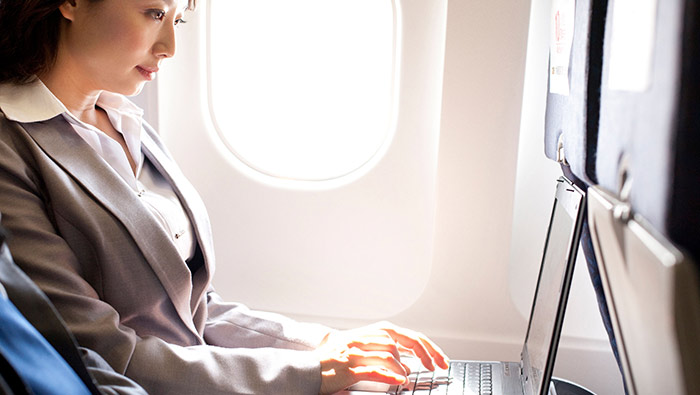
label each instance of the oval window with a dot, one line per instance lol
(303, 89)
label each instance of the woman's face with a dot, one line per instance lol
(117, 45)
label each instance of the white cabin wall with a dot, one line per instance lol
(482, 92)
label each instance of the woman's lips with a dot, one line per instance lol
(148, 73)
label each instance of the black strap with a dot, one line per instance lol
(3, 235)
(10, 381)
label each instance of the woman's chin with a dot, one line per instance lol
(134, 90)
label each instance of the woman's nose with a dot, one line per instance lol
(166, 43)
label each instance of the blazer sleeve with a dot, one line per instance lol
(235, 325)
(30, 216)
(108, 381)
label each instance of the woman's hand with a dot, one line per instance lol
(372, 353)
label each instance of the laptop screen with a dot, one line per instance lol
(552, 287)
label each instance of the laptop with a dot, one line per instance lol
(532, 374)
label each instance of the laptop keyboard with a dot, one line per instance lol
(462, 378)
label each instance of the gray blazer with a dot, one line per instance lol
(119, 283)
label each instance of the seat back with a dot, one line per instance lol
(654, 299)
(575, 63)
(648, 150)
(645, 212)
(573, 107)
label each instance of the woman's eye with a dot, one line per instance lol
(179, 21)
(158, 15)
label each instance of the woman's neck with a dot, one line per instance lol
(72, 90)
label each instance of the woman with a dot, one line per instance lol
(105, 223)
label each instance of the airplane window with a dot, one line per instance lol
(303, 90)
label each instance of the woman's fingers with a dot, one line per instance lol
(352, 365)
(375, 373)
(373, 353)
(367, 339)
(360, 359)
(336, 380)
(416, 346)
(376, 342)
(438, 355)
(422, 347)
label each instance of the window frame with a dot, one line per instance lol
(358, 171)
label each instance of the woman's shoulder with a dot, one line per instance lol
(9, 129)
(18, 147)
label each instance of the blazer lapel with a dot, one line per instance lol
(58, 139)
(192, 203)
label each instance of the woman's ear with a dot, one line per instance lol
(68, 8)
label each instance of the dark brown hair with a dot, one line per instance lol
(29, 32)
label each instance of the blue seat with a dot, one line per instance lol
(32, 364)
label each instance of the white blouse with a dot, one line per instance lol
(34, 102)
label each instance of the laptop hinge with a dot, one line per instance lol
(522, 375)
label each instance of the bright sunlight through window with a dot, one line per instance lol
(302, 89)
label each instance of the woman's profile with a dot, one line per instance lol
(105, 223)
